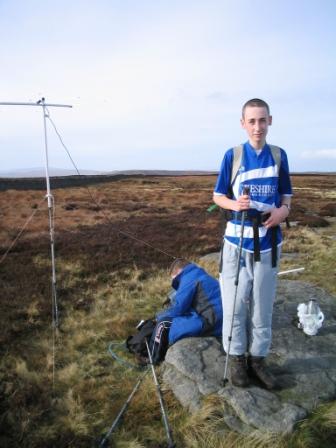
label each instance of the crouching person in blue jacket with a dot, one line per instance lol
(196, 308)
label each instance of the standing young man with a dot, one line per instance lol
(264, 170)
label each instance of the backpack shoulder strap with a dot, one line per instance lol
(237, 158)
(276, 154)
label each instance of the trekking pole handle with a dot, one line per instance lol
(246, 190)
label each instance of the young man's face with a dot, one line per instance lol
(256, 121)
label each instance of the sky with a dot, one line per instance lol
(160, 84)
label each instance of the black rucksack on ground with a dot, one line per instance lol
(136, 342)
(157, 337)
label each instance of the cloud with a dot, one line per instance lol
(319, 154)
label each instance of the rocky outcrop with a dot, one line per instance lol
(304, 365)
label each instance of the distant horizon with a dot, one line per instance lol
(39, 172)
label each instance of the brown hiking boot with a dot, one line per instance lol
(258, 369)
(238, 370)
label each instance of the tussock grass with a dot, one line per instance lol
(24, 373)
(75, 418)
(205, 427)
(330, 415)
(316, 252)
(317, 430)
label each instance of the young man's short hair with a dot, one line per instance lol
(178, 263)
(255, 102)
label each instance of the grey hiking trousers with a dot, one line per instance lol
(252, 324)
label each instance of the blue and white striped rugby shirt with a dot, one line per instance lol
(267, 185)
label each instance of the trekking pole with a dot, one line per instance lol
(104, 440)
(171, 444)
(246, 191)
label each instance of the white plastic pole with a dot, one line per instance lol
(50, 200)
(290, 271)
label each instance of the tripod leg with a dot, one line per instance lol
(171, 444)
(104, 440)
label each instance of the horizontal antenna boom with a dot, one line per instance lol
(41, 104)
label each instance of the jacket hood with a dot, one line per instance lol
(176, 281)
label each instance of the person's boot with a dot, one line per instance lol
(238, 370)
(257, 368)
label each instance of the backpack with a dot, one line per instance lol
(157, 336)
(136, 343)
(238, 155)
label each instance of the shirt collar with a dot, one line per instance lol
(250, 147)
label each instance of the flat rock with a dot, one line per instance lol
(304, 365)
(262, 409)
(199, 360)
(212, 257)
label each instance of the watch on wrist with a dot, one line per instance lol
(286, 205)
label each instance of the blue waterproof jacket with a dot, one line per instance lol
(197, 307)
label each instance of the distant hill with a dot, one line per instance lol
(60, 172)
(34, 179)
(40, 172)
(162, 172)
(69, 180)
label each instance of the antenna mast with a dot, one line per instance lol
(41, 103)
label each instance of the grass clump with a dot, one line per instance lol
(315, 251)
(318, 430)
